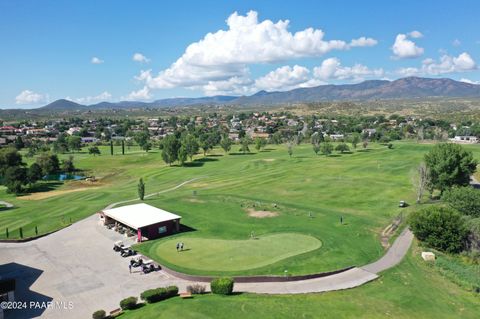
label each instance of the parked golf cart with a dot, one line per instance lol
(118, 245)
(148, 266)
(136, 262)
(127, 252)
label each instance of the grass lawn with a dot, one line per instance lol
(308, 193)
(235, 255)
(411, 290)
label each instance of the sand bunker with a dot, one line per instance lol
(268, 159)
(261, 213)
(44, 195)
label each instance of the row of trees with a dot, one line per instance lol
(455, 227)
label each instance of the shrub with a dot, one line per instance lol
(128, 303)
(99, 314)
(196, 289)
(464, 199)
(222, 286)
(439, 227)
(159, 294)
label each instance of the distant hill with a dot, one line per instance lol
(405, 88)
(62, 104)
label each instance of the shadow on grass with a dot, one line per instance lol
(268, 149)
(215, 155)
(334, 155)
(41, 187)
(186, 229)
(199, 162)
(366, 150)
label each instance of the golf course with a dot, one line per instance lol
(308, 213)
(263, 213)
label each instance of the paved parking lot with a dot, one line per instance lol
(75, 268)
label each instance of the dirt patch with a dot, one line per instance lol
(195, 200)
(261, 213)
(44, 195)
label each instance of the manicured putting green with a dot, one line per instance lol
(235, 255)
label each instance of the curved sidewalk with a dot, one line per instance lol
(354, 277)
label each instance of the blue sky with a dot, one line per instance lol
(48, 48)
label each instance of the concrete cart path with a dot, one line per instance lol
(7, 205)
(154, 194)
(394, 255)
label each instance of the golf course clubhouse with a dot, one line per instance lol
(146, 221)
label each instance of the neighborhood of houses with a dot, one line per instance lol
(265, 125)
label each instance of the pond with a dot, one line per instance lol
(62, 177)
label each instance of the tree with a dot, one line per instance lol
(170, 149)
(190, 144)
(141, 189)
(206, 142)
(49, 163)
(244, 145)
(260, 143)
(355, 139)
(342, 148)
(67, 165)
(142, 139)
(449, 164)
(464, 199)
(182, 155)
(19, 143)
(61, 144)
(74, 143)
(14, 179)
(111, 147)
(326, 148)
(34, 173)
(226, 144)
(9, 157)
(94, 150)
(420, 180)
(316, 148)
(440, 228)
(365, 144)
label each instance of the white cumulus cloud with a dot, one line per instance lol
(332, 69)
(469, 81)
(446, 64)
(283, 78)
(223, 57)
(403, 48)
(363, 42)
(104, 96)
(138, 57)
(416, 34)
(139, 95)
(96, 60)
(30, 97)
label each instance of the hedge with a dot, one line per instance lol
(222, 286)
(128, 303)
(99, 314)
(159, 294)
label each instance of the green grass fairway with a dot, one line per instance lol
(364, 187)
(411, 290)
(234, 255)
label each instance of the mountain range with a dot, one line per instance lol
(404, 88)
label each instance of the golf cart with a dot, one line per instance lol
(126, 251)
(136, 262)
(148, 266)
(118, 245)
(402, 204)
